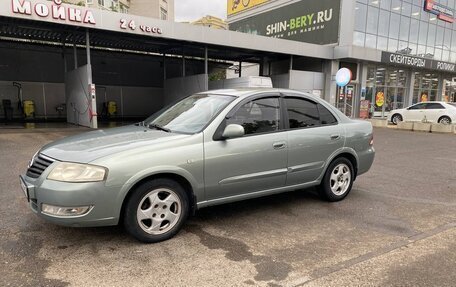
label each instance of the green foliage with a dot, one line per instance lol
(217, 75)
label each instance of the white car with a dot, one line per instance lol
(433, 112)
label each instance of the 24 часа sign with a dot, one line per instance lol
(306, 21)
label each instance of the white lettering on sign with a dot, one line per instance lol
(74, 15)
(406, 60)
(445, 66)
(22, 7)
(125, 24)
(149, 29)
(305, 22)
(41, 10)
(58, 12)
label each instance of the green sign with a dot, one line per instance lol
(305, 21)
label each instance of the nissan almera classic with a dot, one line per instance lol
(207, 149)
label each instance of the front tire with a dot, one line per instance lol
(396, 118)
(338, 180)
(156, 210)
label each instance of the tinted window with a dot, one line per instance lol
(418, 106)
(434, 106)
(326, 117)
(302, 113)
(258, 116)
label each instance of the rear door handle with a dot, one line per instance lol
(279, 145)
(335, 137)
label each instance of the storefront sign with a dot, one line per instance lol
(54, 10)
(424, 97)
(306, 21)
(58, 12)
(443, 13)
(380, 99)
(236, 6)
(343, 77)
(412, 61)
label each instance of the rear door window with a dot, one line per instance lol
(434, 106)
(303, 113)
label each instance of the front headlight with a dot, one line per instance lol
(75, 172)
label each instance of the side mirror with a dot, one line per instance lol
(233, 131)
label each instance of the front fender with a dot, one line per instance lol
(198, 188)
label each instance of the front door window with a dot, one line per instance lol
(258, 116)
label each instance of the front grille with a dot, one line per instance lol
(40, 163)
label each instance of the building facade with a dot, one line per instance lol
(211, 22)
(160, 9)
(400, 52)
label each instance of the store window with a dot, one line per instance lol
(425, 87)
(449, 90)
(402, 26)
(386, 89)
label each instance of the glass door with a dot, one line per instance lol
(345, 100)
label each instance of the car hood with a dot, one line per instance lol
(86, 147)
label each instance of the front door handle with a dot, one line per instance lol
(279, 145)
(335, 137)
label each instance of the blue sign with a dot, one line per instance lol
(343, 77)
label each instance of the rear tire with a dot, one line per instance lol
(338, 180)
(156, 210)
(445, 120)
(396, 118)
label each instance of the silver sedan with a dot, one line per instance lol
(209, 148)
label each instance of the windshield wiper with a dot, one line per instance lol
(158, 127)
(140, 124)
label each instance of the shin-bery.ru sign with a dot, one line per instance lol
(54, 10)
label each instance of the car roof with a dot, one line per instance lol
(245, 92)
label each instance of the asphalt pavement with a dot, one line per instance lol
(396, 228)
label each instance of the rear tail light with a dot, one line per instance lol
(371, 142)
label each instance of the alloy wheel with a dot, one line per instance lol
(340, 179)
(159, 211)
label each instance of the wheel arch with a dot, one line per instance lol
(352, 159)
(182, 180)
(444, 116)
(396, 114)
(346, 153)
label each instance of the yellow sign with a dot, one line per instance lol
(380, 99)
(236, 6)
(424, 97)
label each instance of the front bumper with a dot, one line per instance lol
(102, 199)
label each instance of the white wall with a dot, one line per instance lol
(78, 99)
(310, 82)
(178, 88)
(306, 81)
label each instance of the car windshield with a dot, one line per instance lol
(189, 115)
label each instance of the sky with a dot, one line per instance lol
(190, 10)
